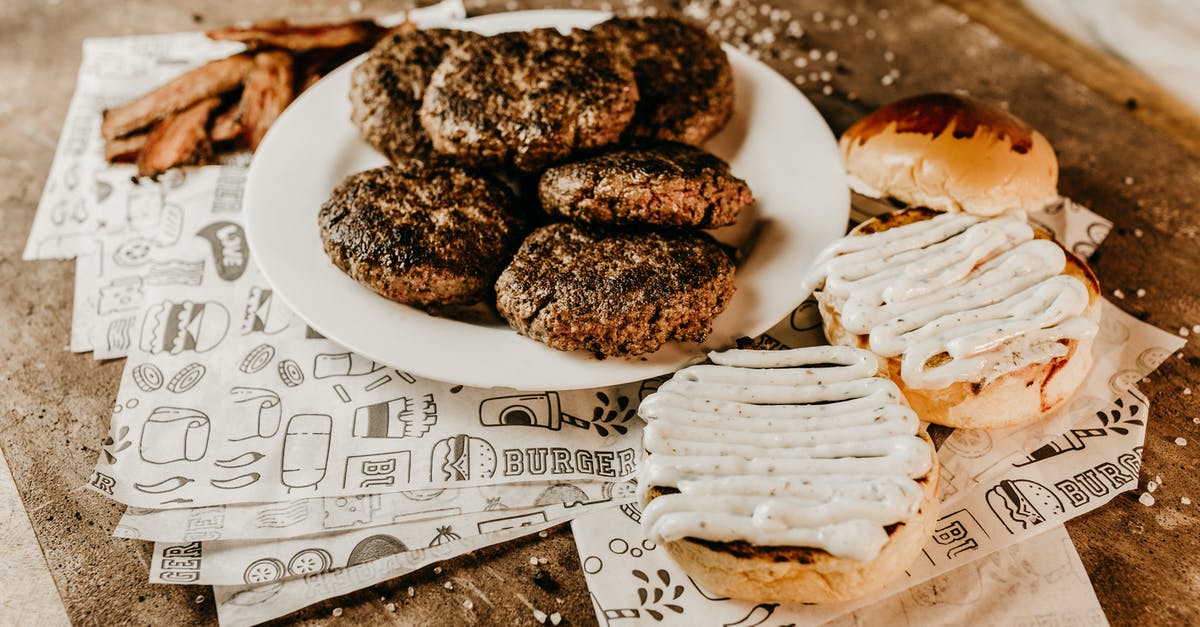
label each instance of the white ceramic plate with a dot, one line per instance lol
(776, 141)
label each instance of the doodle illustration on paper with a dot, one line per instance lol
(119, 295)
(655, 598)
(1072, 440)
(284, 516)
(170, 484)
(1118, 420)
(175, 272)
(133, 252)
(236, 483)
(240, 461)
(305, 450)
(346, 511)
(375, 547)
(564, 493)
(250, 597)
(266, 407)
(378, 470)
(187, 378)
(174, 434)
(290, 373)
(257, 358)
(119, 335)
(445, 535)
(309, 561)
(263, 570)
(423, 495)
(402, 417)
(326, 365)
(494, 504)
(756, 616)
(262, 315)
(1021, 504)
(953, 536)
(148, 214)
(103, 482)
(806, 317)
(532, 410)
(612, 414)
(147, 377)
(462, 458)
(170, 327)
(511, 522)
(650, 386)
(227, 241)
(112, 446)
(968, 443)
(619, 546)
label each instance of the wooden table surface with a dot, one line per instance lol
(1123, 149)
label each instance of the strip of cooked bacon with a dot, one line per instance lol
(125, 149)
(280, 34)
(207, 80)
(313, 64)
(181, 139)
(268, 91)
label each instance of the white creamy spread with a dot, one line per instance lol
(803, 448)
(982, 294)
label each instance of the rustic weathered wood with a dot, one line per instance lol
(55, 405)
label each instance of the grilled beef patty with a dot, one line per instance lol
(683, 78)
(386, 89)
(665, 183)
(529, 99)
(625, 292)
(424, 235)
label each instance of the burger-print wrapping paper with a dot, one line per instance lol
(632, 578)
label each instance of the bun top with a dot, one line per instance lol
(950, 153)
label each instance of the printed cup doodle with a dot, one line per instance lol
(462, 458)
(240, 461)
(378, 470)
(347, 511)
(1020, 504)
(290, 373)
(511, 522)
(532, 410)
(375, 547)
(305, 450)
(445, 535)
(187, 378)
(119, 295)
(170, 484)
(402, 417)
(260, 316)
(147, 377)
(230, 252)
(267, 408)
(175, 272)
(174, 434)
(285, 516)
(309, 561)
(342, 365)
(170, 327)
(236, 483)
(257, 358)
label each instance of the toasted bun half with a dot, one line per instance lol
(790, 574)
(950, 153)
(1017, 397)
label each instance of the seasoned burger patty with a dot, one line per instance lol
(666, 183)
(421, 235)
(386, 89)
(613, 292)
(529, 99)
(683, 77)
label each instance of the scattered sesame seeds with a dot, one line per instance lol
(1158, 479)
(1141, 292)
(1196, 420)
(883, 14)
(1151, 486)
(1146, 499)
(1129, 180)
(1138, 232)
(889, 56)
(1196, 328)
(449, 585)
(1185, 500)
(1118, 293)
(354, 6)
(391, 607)
(411, 592)
(814, 76)
(1181, 441)
(835, 24)
(827, 90)
(852, 20)
(437, 570)
(800, 80)
(539, 616)
(1187, 391)
(818, 17)
(337, 611)
(199, 599)
(1183, 331)
(826, 76)
(800, 62)
(469, 604)
(831, 56)
(543, 534)
(870, 34)
(533, 561)
(814, 54)
(887, 79)
(555, 618)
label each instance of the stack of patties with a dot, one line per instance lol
(982, 319)
(600, 126)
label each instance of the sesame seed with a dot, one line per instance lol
(337, 611)
(1196, 328)
(1151, 486)
(835, 24)
(870, 34)
(852, 20)
(555, 618)
(449, 585)
(539, 616)
(1187, 391)
(1138, 232)
(1118, 293)
(889, 56)
(831, 56)
(199, 599)
(827, 90)
(1183, 331)
(533, 561)
(818, 17)
(799, 80)
(1141, 292)
(391, 607)
(437, 570)
(469, 604)
(543, 534)
(1181, 441)
(1185, 500)
(826, 76)
(1146, 499)
(883, 14)
(1129, 180)
(887, 80)
(411, 592)
(814, 54)
(800, 62)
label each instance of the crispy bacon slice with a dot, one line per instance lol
(125, 149)
(181, 139)
(207, 80)
(280, 34)
(268, 91)
(227, 123)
